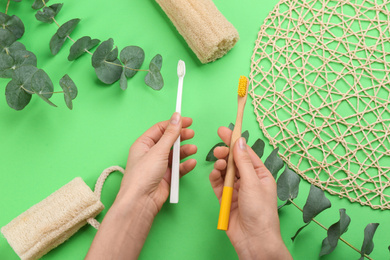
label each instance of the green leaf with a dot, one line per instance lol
(41, 84)
(123, 81)
(16, 46)
(299, 231)
(62, 33)
(210, 156)
(231, 126)
(15, 96)
(288, 185)
(19, 58)
(154, 78)
(38, 4)
(245, 135)
(6, 63)
(6, 38)
(273, 163)
(103, 53)
(48, 13)
(315, 204)
(334, 233)
(132, 57)
(44, 98)
(108, 72)
(70, 90)
(23, 75)
(368, 244)
(81, 46)
(258, 147)
(12, 24)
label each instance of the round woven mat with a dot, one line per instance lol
(321, 91)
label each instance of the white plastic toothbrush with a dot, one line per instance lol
(174, 195)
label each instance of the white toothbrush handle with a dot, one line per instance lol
(175, 175)
(174, 195)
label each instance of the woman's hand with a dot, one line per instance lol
(144, 189)
(254, 223)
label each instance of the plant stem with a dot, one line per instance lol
(6, 9)
(120, 65)
(342, 239)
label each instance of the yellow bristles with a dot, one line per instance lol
(242, 83)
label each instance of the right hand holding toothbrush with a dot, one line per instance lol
(254, 223)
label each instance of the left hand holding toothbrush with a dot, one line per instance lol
(143, 191)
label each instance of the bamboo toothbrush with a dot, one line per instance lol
(227, 193)
(175, 176)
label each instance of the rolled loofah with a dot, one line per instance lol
(208, 33)
(53, 220)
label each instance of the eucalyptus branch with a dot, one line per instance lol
(119, 65)
(6, 8)
(318, 223)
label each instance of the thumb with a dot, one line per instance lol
(171, 133)
(243, 161)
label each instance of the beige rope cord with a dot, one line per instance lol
(99, 186)
(321, 93)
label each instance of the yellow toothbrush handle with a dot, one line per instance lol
(224, 212)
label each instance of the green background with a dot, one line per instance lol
(42, 148)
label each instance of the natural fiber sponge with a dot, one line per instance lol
(204, 28)
(53, 220)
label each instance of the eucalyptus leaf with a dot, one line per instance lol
(274, 163)
(42, 96)
(16, 46)
(62, 33)
(231, 126)
(6, 63)
(315, 203)
(299, 231)
(70, 90)
(103, 53)
(23, 74)
(288, 185)
(109, 72)
(15, 96)
(132, 58)
(258, 147)
(20, 58)
(154, 78)
(123, 81)
(81, 46)
(368, 244)
(6, 38)
(41, 84)
(48, 13)
(12, 24)
(334, 233)
(38, 4)
(210, 156)
(157, 60)
(245, 134)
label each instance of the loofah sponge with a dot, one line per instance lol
(204, 28)
(53, 220)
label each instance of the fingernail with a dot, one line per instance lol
(175, 118)
(242, 143)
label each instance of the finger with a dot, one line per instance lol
(185, 151)
(225, 134)
(216, 182)
(221, 152)
(151, 136)
(186, 134)
(243, 162)
(220, 165)
(261, 170)
(187, 166)
(169, 136)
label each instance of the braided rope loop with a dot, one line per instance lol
(321, 92)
